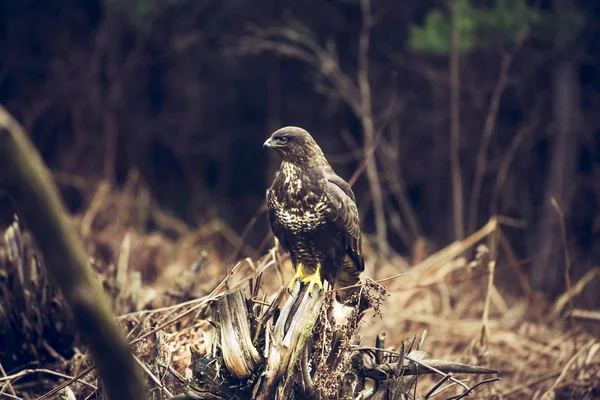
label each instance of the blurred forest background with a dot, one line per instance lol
(470, 108)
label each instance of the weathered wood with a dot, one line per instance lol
(289, 341)
(239, 354)
(386, 370)
(305, 355)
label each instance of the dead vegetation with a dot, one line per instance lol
(180, 309)
(203, 325)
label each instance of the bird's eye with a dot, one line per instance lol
(283, 140)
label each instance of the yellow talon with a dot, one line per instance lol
(314, 280)
(299, 276)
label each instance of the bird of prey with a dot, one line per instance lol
(313, 213)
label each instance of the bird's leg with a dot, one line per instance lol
(314, 279)
(299, 276)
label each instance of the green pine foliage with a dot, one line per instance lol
(502, 25)
(435, 35)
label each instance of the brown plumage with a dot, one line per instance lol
(313, 213)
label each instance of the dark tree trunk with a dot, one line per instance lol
(548, 268)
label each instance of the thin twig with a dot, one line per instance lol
(63, 385)
(491, 261)
(436, 386)
(514, 264)
(10, 396)
(389, 278)
(563, 236)
(172, 370)
(488, 130)
(437, 371)
(398, 188)
(586, 314)
(362, 284)
(457, 186)
(503, 170)
(152, 376)
(575, 290)
(8, 384)
(568, 365)
(94, 208)
(138, 325)
(464, 394)
(25, 372)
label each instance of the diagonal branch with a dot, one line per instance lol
(29, 183)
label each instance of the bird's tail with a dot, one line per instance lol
(348, 277)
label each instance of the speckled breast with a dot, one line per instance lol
(298, 215)
(303, 209)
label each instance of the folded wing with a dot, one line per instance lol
(344, 202)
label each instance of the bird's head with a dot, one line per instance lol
(294, 145)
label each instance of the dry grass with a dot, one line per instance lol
(161, 283)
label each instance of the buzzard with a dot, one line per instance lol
(313, 213)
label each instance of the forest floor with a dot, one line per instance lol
(166, 278)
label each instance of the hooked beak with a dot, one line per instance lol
(267, 143)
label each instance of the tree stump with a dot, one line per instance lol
(264, 351)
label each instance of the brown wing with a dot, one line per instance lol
(342, 198)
